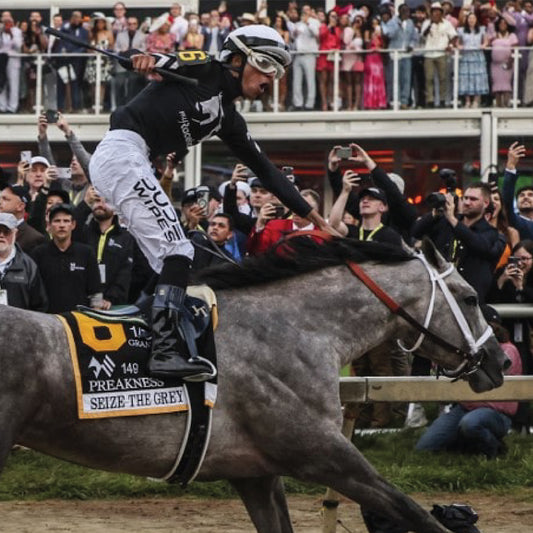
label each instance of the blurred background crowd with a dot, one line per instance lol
(359, 55)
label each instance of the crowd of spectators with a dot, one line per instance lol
(424, 39)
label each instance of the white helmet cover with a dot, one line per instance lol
(259, 38)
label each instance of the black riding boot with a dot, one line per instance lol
(171, 356)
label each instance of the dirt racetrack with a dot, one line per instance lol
(498, 514)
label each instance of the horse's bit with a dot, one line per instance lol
(473, 358)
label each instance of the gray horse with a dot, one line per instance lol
(281, 343)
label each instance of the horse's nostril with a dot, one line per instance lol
(507, 363)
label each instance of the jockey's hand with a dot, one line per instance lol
(350, 179)
(144, 64)
(106, 305)
(362, 157)
(316, 218)
(240, 173)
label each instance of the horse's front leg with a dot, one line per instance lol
(342, 467)
(264, 499)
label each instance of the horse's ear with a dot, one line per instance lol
(433, 256)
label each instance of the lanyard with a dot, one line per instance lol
(370, 235)
(75, 197)
(101, 243)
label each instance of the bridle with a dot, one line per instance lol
(473, 358)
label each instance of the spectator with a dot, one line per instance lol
(440, 37)
(193, 216)
(11, 41)
(242, 195)
(45, 200)
(528, 86)
(305, 34)
(353, 65)
(179, 24)
(466, 239)
(501, 68)
(120, 22)
(34, 42)
(194, 39)
(215, 33)
(401, 35)
(210, 247)
(524, 195)
(419, 76)
(72, 69)
(478, 427)
(126, 83)
(374, 95)
(69, 269)
(50, 84)
(270, 227)
(36, 175)
(473, 78)
(329, 40)
(280, 25)
(14, 199)
(100, 35)
(160, 40)
(113, 247)
(20, 282)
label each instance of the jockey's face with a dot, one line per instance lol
(254, 82)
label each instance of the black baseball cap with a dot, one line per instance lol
(65, 198)
(22, 192)
(374, 192)
(256, 182)
(60, 208)
(189, 197)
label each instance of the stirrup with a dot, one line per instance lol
(201, 376)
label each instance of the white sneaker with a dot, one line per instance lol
(416, 416)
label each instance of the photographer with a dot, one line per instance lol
(466, 239)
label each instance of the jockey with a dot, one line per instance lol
(170, 116)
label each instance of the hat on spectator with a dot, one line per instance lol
(374, 192)
(54, 191)
(241, 186)
(189, 197)
(8, 220)
(436, 5)
(22, 192)
(397, 180)
(255, 182)
(39, 160)
(98, 15)
(159, 21)
(60, 208)
(247, 17)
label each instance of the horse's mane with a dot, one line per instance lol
(296, 256)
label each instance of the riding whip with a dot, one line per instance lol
(74, 40)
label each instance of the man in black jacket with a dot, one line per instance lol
(466, 239)
(20, 282)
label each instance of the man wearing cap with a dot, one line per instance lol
(14, 199)
(37, 174)
(69, 269)
(20, 282)
(440, 37)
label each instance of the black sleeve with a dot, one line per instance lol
(94, 285)
(37, 211)
(235, 134)
(117, 291)
(81, 214)
(242, 222)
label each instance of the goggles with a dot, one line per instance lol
(262, 62)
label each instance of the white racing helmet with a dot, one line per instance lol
(263, 47)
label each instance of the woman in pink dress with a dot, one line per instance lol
(374, 95)
(501, 67)
(160, 39)
(329, 38)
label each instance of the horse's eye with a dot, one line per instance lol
(471, 300)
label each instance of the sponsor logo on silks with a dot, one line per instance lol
(74, 267)
(107, 366)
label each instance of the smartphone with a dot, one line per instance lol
(279, 211)
(288, 172)
(344, 152)
(51, 116)
(512, 260)
(25, 156)
(202, 195)
(64, 173)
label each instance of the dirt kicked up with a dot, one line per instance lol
(498, 514)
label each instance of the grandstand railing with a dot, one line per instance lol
(40, 60)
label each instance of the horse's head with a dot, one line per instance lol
(478, 356)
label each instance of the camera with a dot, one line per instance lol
(436, 200)
(514, 261)
(344, 152)
(51, 116)
(202, 197)
(64, 173)
(279, 211)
